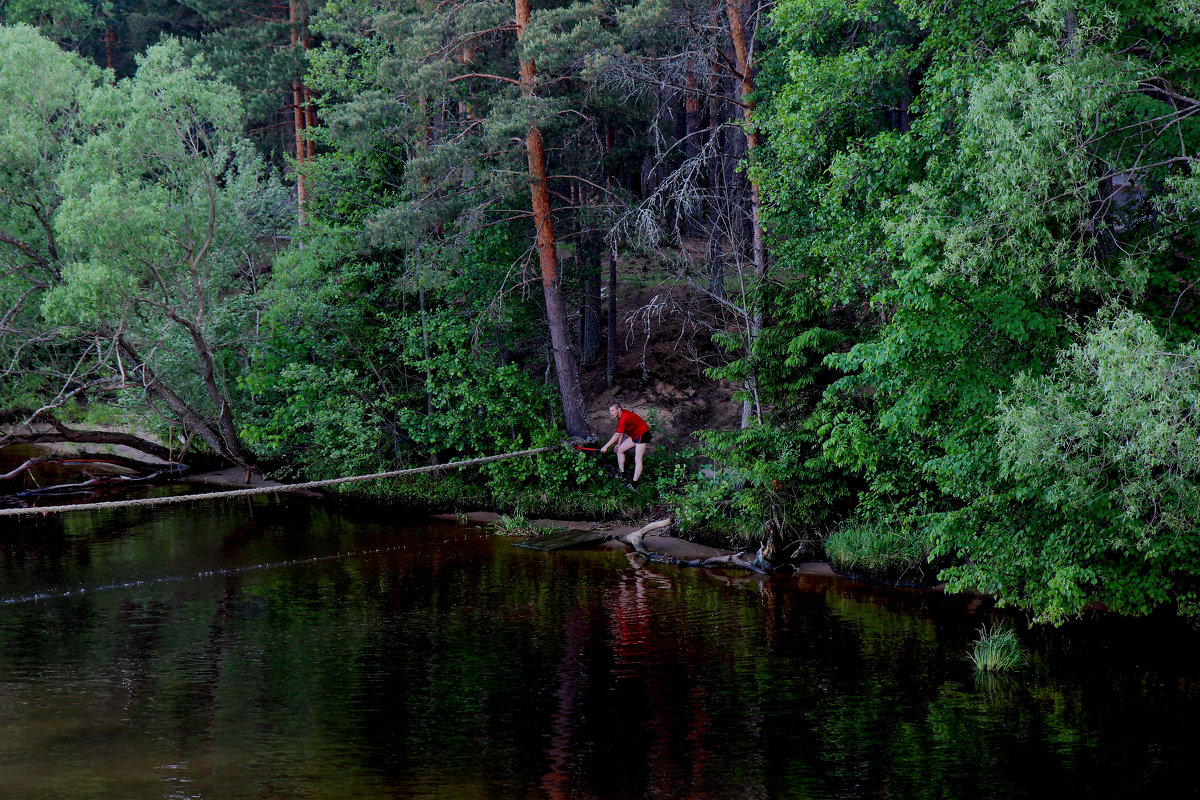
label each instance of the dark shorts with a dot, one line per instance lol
(643, 439)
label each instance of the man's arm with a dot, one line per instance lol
(616, 439)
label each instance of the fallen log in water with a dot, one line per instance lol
(733, 560)
(173, 470)
(737, 560)
(637, 540)
(28, 465)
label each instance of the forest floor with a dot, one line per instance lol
(664, 345)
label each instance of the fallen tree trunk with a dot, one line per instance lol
(733, 560)
(61, 433)
(103, 480)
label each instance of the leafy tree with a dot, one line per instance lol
(1100, 471)
(982, 178)
(149, 210)
(44, 90)
(473, 108)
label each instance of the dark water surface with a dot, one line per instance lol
(280, 649)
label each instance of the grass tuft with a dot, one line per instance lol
(515, 525)
(996, 650)
(877, 549)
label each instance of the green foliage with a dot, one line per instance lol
(1002, 172)
(69, 22)
(514, 525)
(329, 410)
(1098, 463)
(163, 206)
(42, 90)
(133, 219)
(412, 384)
(765, 474)
(776, 471)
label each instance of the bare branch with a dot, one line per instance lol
(484, 75)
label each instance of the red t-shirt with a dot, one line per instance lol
(631, 425)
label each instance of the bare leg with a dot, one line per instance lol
(626, 444)
(638, 454)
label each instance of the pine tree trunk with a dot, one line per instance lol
(556, 310)
(611, 366)
(298, 114)
(759, 248)
(110, 47)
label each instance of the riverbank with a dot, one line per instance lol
(660, 544)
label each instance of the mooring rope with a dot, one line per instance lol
(283, 487)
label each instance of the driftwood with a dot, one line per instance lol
(21, 470)
(92, 481)
(733, 560)
(636, 540)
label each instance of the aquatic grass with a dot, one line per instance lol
(996, 650)
(878, 549)
(515, 525)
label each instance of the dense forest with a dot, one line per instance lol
(924, 274)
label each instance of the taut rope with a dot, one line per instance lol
(289, 487)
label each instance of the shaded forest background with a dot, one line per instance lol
(909, 283)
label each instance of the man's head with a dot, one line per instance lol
(614, 410)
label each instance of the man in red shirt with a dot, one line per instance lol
(632, 432)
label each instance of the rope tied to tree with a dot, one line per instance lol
(288, 487)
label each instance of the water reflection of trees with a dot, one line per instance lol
(447, 665)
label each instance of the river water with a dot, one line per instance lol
(278, 648)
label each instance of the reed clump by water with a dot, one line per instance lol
(516, 525)
(880, 550)
(997, 650)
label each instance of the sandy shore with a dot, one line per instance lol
(236, 478)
